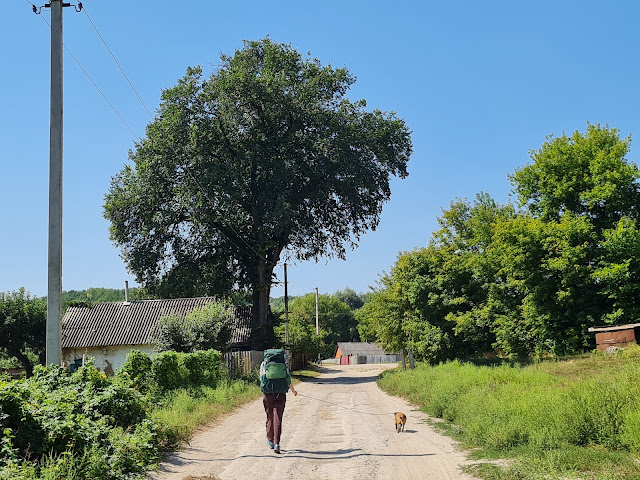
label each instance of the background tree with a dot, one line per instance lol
(302, 337)
(22, 326)
(336, 320)
(383, 316)
(350, 297)
(266, 154)
(582, 174)
(204, 328)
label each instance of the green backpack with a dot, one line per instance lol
(275, 378)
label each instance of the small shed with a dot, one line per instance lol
(109, 331)
(618, 335)
(353, 353)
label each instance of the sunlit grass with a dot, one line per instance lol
(576, 418)
(183, 411)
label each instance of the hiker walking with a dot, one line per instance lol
(275, 380)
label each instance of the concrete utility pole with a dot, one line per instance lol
(54, 266)
(286, 309)
(317, 322)
(54, 289)
(286, 318)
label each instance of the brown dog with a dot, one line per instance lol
(401, 419)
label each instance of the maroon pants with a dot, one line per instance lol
(274, 408)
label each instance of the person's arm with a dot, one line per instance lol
(293, 389)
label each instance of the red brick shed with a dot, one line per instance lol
(618, 335)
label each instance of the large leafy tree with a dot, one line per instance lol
(585, 174)
(22, 326)
(265, 155)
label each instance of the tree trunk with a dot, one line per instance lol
(24, 360)
(261, 290)
(412, 364)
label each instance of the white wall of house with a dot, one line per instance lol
(107, 359)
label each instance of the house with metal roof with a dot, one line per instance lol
(352, 353)
(109, 331)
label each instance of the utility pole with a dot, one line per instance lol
(286, 318)
(317, 322)
(286, 309)
(54, 265)
(54, 289)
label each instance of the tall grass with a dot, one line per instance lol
(184, 411)
(535, 412)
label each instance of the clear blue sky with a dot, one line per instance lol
(479, 84)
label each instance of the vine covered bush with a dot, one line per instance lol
(57, 414)
(81, 425)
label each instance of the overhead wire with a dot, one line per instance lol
(115, 60)
(93, 82)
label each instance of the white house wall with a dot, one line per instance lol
(107, 359)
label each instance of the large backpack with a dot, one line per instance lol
(274, 380)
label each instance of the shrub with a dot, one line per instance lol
(69, 423)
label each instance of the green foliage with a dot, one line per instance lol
(204, 328)
(90, 296)
(82, 424)
(336, 322)
(22, 326)
(171, 370)
(265, 154)
(62, 425)
(524, 283)
(350, 297)
(583, 175)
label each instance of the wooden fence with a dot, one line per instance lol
(239, 363)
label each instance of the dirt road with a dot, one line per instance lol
(340, 426)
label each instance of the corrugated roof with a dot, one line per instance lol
(134, 323)
(360, 348)
(614, 327)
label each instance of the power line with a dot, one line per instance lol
(94, 83)
(115, 60)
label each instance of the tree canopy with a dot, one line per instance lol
(523, 282)
(265, 155)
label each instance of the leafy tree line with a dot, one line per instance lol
(336, 322)
(99, 295)
(528, 279)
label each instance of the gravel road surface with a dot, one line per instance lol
(340, 426)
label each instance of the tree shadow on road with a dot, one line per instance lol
(345, 380)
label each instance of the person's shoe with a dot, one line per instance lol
(276, 448)
(270, 443)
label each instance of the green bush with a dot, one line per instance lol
(138, 368)
(80, 425)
